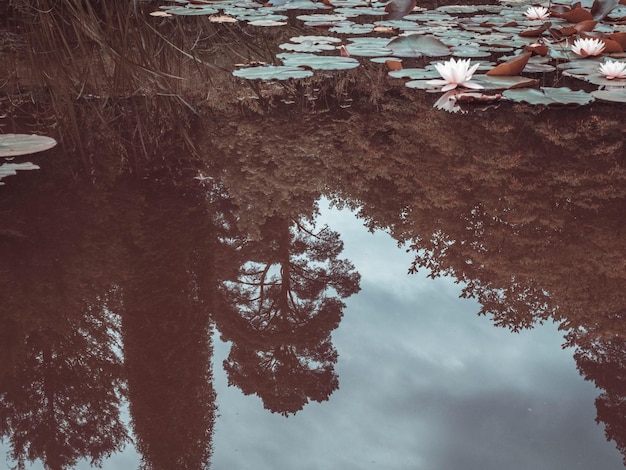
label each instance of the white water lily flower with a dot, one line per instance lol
(537, 13)
(613, 69)
(455, 73)
(588, 47)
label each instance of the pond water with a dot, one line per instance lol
(317, 273)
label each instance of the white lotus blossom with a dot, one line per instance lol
(613, 69)
(455, 73)
(537, 13)
(588, 47)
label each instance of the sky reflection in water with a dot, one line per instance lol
(424, 383)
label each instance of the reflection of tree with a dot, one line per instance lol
(601, 358)
(282, 349)
(531, 237)
(60, 373)
(166, 326)
(60, 403)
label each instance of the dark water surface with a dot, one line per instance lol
(320, 274)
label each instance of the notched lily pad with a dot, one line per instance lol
(12, 145)
(548, 96)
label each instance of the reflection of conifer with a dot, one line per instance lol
(288, 303)
(166, 330)
(60, 403)
(60, 372)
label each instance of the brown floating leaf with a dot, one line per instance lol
(511, 67)
(343, 51)
(619, 37)
(586, 25)
(568, 31)
(536, 32)
(393, 64)
(611, 46)
(576, 15)
(538, 49)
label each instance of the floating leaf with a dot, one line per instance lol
(536, 32)
(317, 62)
(321, 18)
(10, 169)
(417, 45)
(12, 145)
(549, 96)
(576, 15)
(272, 72)
(415, 74)
(512, 66)
(617, 95)
(503, 83)
(393, 64)
(619, 37)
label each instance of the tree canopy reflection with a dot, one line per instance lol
(131, 253)
(283, 317)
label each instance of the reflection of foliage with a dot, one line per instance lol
(166, 326)
(61, 376)
(282, 349)
(60, 402)
(531, 237)
(601, 358)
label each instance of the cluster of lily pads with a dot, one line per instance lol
(458, 42)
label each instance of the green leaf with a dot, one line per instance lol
(416, 45)
(548, 96)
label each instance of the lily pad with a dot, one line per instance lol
(548, 96)
(503, 83)
(12, 145)
(352, 28)
(272, 72)
(311, 44)
(317, 62)
(616, 95)
(321, 18)
(414, 74)
(10, 169)
(417, 45)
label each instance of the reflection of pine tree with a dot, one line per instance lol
(166, 329)
(60, 371)
(282, 349)
(601, 358)
(60, 402)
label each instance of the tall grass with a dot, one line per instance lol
(116, 79)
